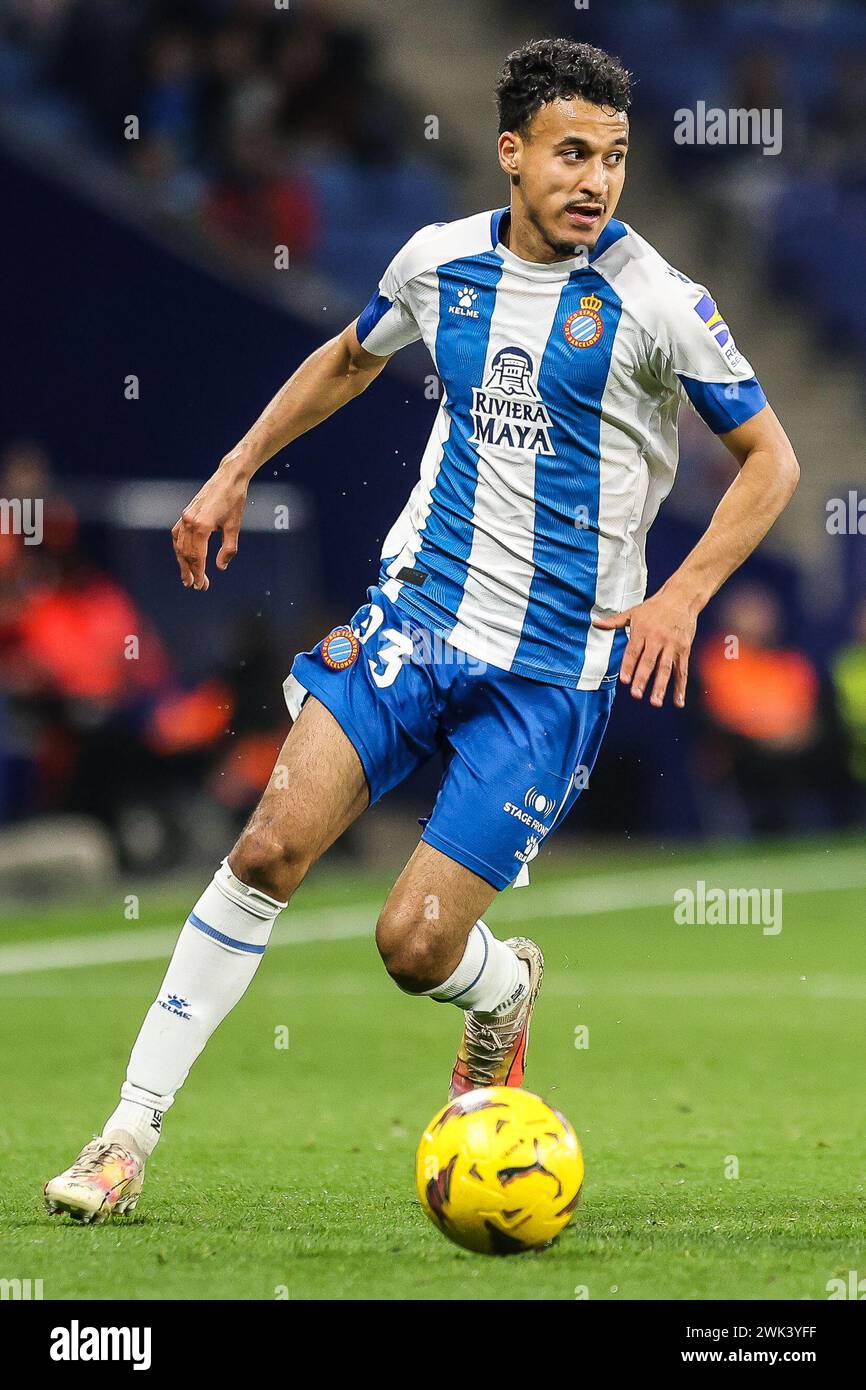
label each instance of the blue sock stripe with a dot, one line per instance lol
(223, 939)
(461, 992)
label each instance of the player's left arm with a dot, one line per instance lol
(691, 353)
(662, 628)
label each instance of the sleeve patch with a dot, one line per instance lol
(706, 310)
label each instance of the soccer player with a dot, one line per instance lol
(510, 599)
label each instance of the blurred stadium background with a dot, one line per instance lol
(166, 273)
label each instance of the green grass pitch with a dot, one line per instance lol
(287, 1171)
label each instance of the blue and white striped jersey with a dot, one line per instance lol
(556, 438)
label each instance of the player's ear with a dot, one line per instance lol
(509, 153)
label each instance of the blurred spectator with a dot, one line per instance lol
(770, 727)
(840, 123)
(805, 60)
(76, 661)
(849, 679)
(93, 719)
(235, 89)
(81, 639)
(171, 87)
(98, 60)
(26, 477)
(256, 205)
(247, 118)
(36, 21)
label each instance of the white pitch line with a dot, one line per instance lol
(579, 897)
(590, 986)
(157, 943)
(808, 873)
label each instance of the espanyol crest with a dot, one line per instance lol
(340, 649)
(509, 412)
(584, 327)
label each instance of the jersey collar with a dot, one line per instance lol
(553, 270)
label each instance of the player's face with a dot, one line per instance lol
(567, 171)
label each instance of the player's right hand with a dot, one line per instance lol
(218, 506)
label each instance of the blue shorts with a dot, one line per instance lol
(517, 752)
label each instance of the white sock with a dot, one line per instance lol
(216, 956)
(490, 978)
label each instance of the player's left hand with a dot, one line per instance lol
(661, 633)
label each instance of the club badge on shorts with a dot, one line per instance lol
(340, 649)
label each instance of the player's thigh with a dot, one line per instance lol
(315, 792)
(521, 754)
(422, 929)
(386, 702)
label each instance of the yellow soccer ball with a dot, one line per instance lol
(499, 1171)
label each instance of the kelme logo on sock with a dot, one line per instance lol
(175, 1005)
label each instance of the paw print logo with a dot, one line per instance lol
(530, 850)
(465, 305)
(175, 1003)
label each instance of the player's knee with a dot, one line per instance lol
(409, 949)
(269, 863)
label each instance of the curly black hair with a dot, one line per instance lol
(547, 69)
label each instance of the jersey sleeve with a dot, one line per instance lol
(698, 358)
(388, 322)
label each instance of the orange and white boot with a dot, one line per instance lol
(105, 1178)
(492, 1051)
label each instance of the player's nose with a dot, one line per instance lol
(593, 179)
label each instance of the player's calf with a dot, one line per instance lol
(495, 983)
(427, 948)
(219, 950)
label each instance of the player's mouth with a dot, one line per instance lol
(587, 216)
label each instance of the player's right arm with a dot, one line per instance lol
(330, 377)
